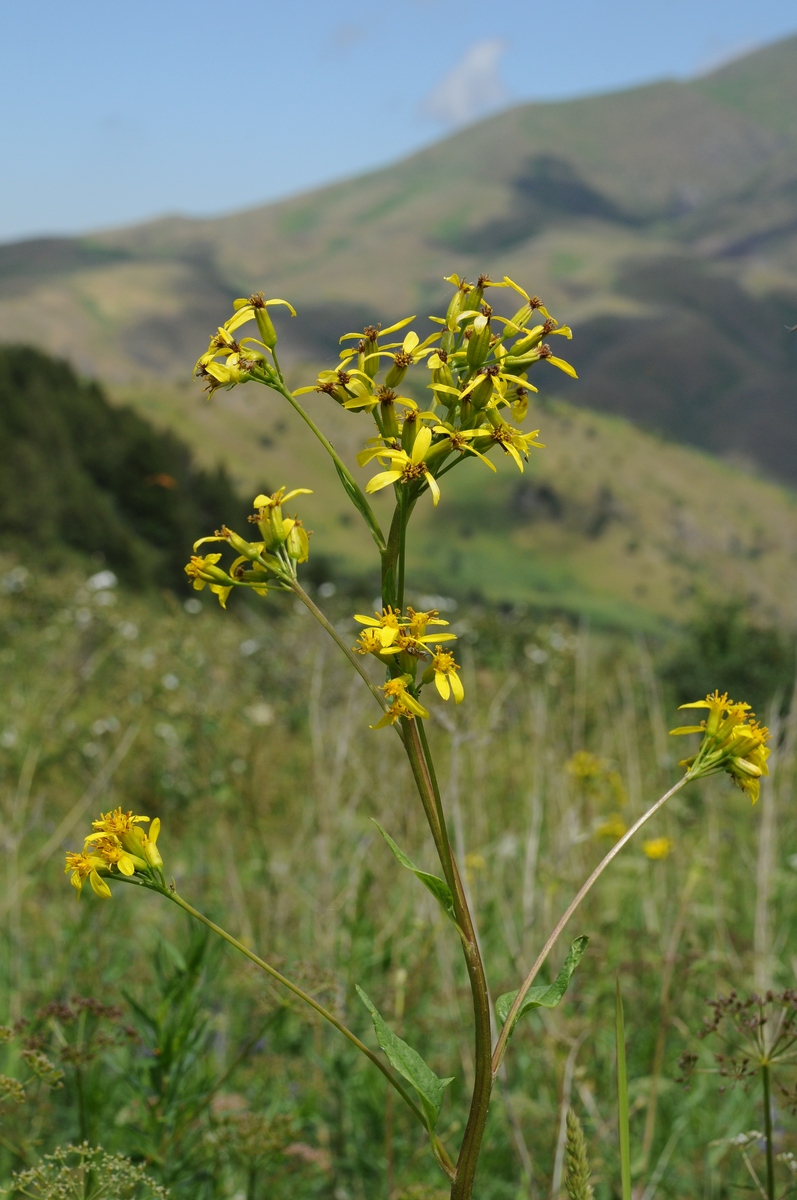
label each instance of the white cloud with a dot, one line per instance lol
(471, 88)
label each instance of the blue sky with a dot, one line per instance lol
(113, 113)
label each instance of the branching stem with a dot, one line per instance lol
(501, 1044)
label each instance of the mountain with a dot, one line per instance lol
(660, 222)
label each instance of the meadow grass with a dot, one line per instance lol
(248, 737)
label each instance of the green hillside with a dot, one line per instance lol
(601, 202)
(81, 477)
(607, 520)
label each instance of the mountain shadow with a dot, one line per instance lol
(546, 191)
(711, 366)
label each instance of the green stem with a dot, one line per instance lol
(351, 487)
(501, 1044)
(423, 772)
(406, 508)
(766, 1084)
(391, 555)
(333, 633)
(319, 1008)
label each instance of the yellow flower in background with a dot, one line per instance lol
(87, 866)
(586, 766)
(656, 848)
(733, 741)
(614, 827)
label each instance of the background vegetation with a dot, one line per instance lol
(249, 739)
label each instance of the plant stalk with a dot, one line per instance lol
(501, 1044)
(297, 588)
(352, 488)
(766, 1087)
(462, 1186)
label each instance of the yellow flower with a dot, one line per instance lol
(614, 827)
(255, 308)
(87, 866)
(733, 741)
(118, 823)
(417, 622)
(444, 671)
(204, 570)
(387, 622)
(407, 468)
(113, 853)
(658, 847)
(513, 442)
(402, 703)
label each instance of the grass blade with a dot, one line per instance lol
(622, 1098)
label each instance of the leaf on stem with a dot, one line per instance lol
(409, 1064)
(438, 887)
(544, 995)
(360, 503)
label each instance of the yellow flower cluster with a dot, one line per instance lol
(732, 742)
(402, 643)
(477, 363)
(228, 361)
(118, 846)
(285, 543)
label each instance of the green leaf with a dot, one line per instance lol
(409, 1064)
(438, 887)
(360, 503)
(544, 995)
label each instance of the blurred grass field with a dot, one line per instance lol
(248, 738)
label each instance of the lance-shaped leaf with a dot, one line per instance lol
(409, 1064)
(544, 995)
(438, 887)
(360, 503)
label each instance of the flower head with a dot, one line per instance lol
(733, 741)
(87, 866)
(402, 702)
(443, 669)
(118, 846)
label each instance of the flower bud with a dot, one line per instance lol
(479, 341)
(401, 362)
(459, 301)
(409, 431)
(482, 393)
(296, 541)
(268, 334)
(532, 339)
(151, 851)
(387, 413)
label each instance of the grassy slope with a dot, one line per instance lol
(607, 520)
